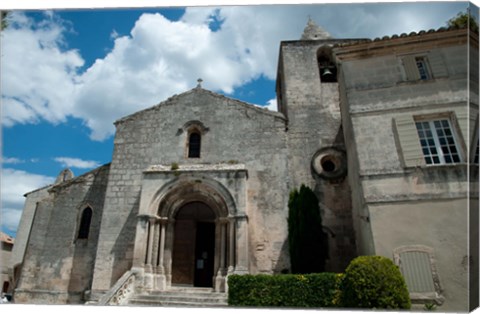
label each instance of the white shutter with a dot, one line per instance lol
(416, 269)
(410, 66)
(409, 142)
(437, 65)
(466, 116)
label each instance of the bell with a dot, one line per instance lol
(327, 73)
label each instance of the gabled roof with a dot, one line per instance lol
(171, 100)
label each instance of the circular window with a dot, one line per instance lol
(329, 163)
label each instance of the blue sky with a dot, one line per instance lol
(67, 75)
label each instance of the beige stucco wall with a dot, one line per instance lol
(395, 203)
(441, 225)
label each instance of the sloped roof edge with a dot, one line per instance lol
(403, 35)
(171, 99)
(348, 42)
(68, 182)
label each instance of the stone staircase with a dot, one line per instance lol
(181, 297)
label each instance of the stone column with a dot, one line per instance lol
(220, 278)
(161, 258)
(242, 258)
(168, 251)
(149, 278)
(155, 245)
(161, 283)
(139, 253)
(231, 247)
(151, 230)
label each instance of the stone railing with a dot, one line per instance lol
(123, 289)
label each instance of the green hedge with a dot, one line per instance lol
(312, 290)
(373, 282)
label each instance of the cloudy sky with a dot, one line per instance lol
(67, 75)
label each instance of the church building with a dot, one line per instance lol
(385, 132)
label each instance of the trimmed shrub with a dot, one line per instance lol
(306, 240)
(373, 282)
(313, 290)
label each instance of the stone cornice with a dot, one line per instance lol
(196, 168)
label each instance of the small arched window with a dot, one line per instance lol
(85, 222)
(194, 143)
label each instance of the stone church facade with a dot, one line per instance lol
(198, 185)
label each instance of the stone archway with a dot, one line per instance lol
(158, 229)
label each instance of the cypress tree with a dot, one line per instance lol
(307, 241)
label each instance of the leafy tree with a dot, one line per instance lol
(307, 242)
(4, 19)
(462, 20)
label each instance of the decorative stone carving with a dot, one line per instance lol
(122, 295)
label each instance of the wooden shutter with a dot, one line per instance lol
(409, 142)
(466, 116)
(416, 269)
(461, 114)
(437, 65)
(410, 66)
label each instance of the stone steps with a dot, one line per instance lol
(181, 297)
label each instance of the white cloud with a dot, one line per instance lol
(38, 77)
(114, 34)
(272, 104)
(76, 163)
(14, 184)
(12, 160)
(160, 58)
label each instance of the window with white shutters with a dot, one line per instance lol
(438, 142)
(428, 140)
(425, 66)
(418, 267)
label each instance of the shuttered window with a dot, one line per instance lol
(415, 267)
(438, 142)
(424, 67)
(427, 141)
(418, 267)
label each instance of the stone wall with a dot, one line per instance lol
(25, 224)
(58, 266)
(315, 131)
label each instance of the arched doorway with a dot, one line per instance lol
(193, 259)
(189, 224)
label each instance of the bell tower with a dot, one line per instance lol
(308, 95)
